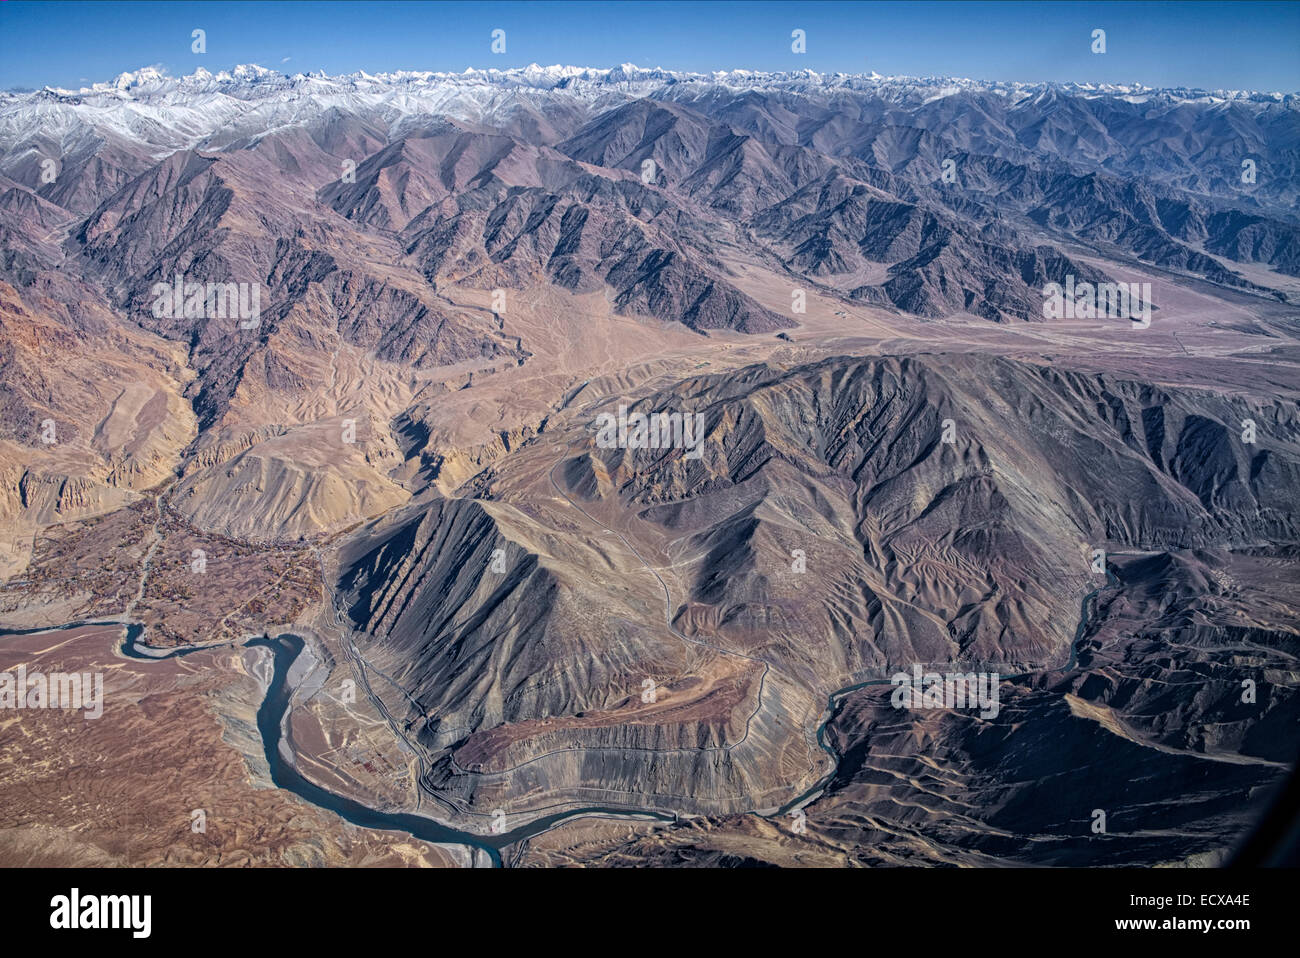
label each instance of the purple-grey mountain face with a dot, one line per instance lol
(803, 469)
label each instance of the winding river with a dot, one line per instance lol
(285, 649)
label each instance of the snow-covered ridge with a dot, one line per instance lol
(150, 112)
(251, 81)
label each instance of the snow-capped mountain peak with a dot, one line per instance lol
(160, 113)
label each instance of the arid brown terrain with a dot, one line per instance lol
(904, 461)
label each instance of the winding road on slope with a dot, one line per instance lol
(668, 614)
(148, 557)
(832, 699)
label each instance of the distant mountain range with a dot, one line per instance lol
(796, 161)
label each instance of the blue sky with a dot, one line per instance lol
(1213, 45)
